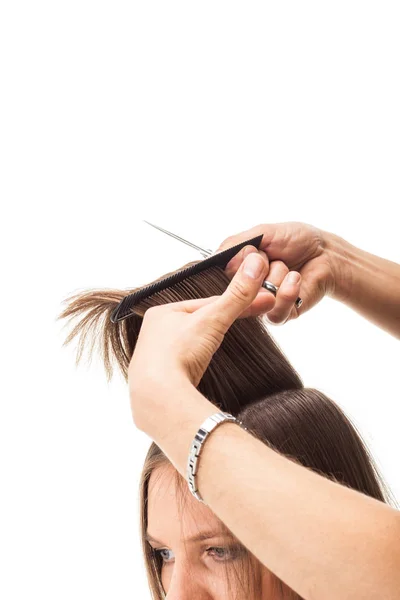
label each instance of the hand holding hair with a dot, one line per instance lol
(176, 344)
(329, 266)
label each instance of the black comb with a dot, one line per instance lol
(221, 259)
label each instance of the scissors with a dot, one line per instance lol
(207, 253)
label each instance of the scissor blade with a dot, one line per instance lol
(202, 251)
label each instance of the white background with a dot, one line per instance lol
(205, 118)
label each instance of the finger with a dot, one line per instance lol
(262, 303)
(293, 242)
(235, 262)
(285, 299)
(267, 230)
(190, 306)
(313, 285)
(241, 291)
(277, 273)
(265, 300)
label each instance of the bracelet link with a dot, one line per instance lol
(197, 444)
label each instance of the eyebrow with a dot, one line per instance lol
(200, 537)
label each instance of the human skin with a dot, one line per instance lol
(329, 266)
(193, 569)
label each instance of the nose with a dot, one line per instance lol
(185, 584)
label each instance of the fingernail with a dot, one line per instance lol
(253, 265)
(246, 251)
(293, 277)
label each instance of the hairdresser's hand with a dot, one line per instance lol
(177, 341)
(314, 254)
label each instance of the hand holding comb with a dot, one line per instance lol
(220, 259)
(206, 253)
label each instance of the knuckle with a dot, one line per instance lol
(227, 243)
(215, 333)
(213, 328)
(287, 295)
(280, 265)
(239, 293)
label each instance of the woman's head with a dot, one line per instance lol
(250, 377)
(304, 425)
(193, 551)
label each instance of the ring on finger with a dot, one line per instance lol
(271, 287)
(274, 289)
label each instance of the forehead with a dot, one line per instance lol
(173, 513)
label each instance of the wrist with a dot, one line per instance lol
(173, 420)
(341, 257)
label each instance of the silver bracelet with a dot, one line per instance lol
(197, 444)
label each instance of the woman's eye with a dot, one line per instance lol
(218, 553)
(223, 554)
(163, 553)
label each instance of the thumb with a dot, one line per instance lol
(241, 291)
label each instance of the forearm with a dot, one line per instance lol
(365, 282)
(322, 539)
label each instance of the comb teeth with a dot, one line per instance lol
(221, 259)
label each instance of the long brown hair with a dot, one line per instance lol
(250, 377)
